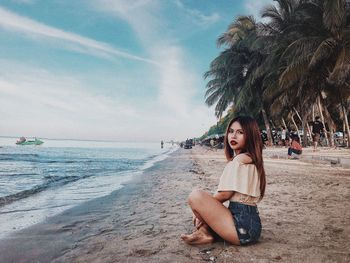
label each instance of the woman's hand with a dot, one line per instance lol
(194, 219)
(196, 222)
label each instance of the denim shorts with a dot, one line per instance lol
(247, 222)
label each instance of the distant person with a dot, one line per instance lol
(264, 137)
(161, 144)
(283, 135)
(295, 146)
(212, 142)
(317, 128)
(242, 183)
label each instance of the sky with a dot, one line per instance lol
(110, 69)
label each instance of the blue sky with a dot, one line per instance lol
(110, 69)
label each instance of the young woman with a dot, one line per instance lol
(242, 183)
(295, 146)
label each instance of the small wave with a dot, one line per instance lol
(158, 158)
(88, 167)
(32, 209)
(56, 161)
(36, 158)
(19, 174)
(53, 181)
(17, 156)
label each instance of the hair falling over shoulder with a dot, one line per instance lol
(253, 146)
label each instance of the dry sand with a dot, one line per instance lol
(305, 216)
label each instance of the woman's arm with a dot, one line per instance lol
(223, 196)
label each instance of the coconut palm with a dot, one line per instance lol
(238, 71)
(299, 33)
(226, 80)
(299, 57)
(228, 70)
(320, 52)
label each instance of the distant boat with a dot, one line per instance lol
(24, 141)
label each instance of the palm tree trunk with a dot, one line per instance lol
(267, 126)
(296, 126)
(322, 118)
(303, 122)
(331, 126)
(304, 125)
(284, 123)
(346, 125)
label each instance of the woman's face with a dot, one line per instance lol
(236, 137)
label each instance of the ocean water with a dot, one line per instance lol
(37, 182)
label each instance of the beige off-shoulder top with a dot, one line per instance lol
(243, 179)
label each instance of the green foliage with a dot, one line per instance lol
(302, 52)
(220, 127)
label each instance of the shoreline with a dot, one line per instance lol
(305, 216)
(33, 205)
(97, 219)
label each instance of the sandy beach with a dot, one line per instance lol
(305, 215)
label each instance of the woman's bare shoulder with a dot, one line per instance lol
(243, 158)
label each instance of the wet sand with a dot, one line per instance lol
(305, 216)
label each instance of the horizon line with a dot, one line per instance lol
(72, 139)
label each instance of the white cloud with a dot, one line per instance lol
(36, 102)
(58, 104)
(144, 16)
(65, 101)
(197, 16)
(255, 8)
(177, 80)
(13, 22)
(64, 93)
(203, 19)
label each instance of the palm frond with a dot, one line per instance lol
(294, 72)
(334, 15)
(324, 51)
(301, 47)
(237, 30)
(341, 70)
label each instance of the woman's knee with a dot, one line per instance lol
(195, 197)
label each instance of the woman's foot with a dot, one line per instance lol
(199, 237)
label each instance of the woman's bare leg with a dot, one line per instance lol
(215, 215)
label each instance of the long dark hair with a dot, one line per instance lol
(253, 146)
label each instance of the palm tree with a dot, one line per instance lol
(228, 70)
(320, 51)
(237, 72)
(226, 80)
(307, 33)
(299, 57)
